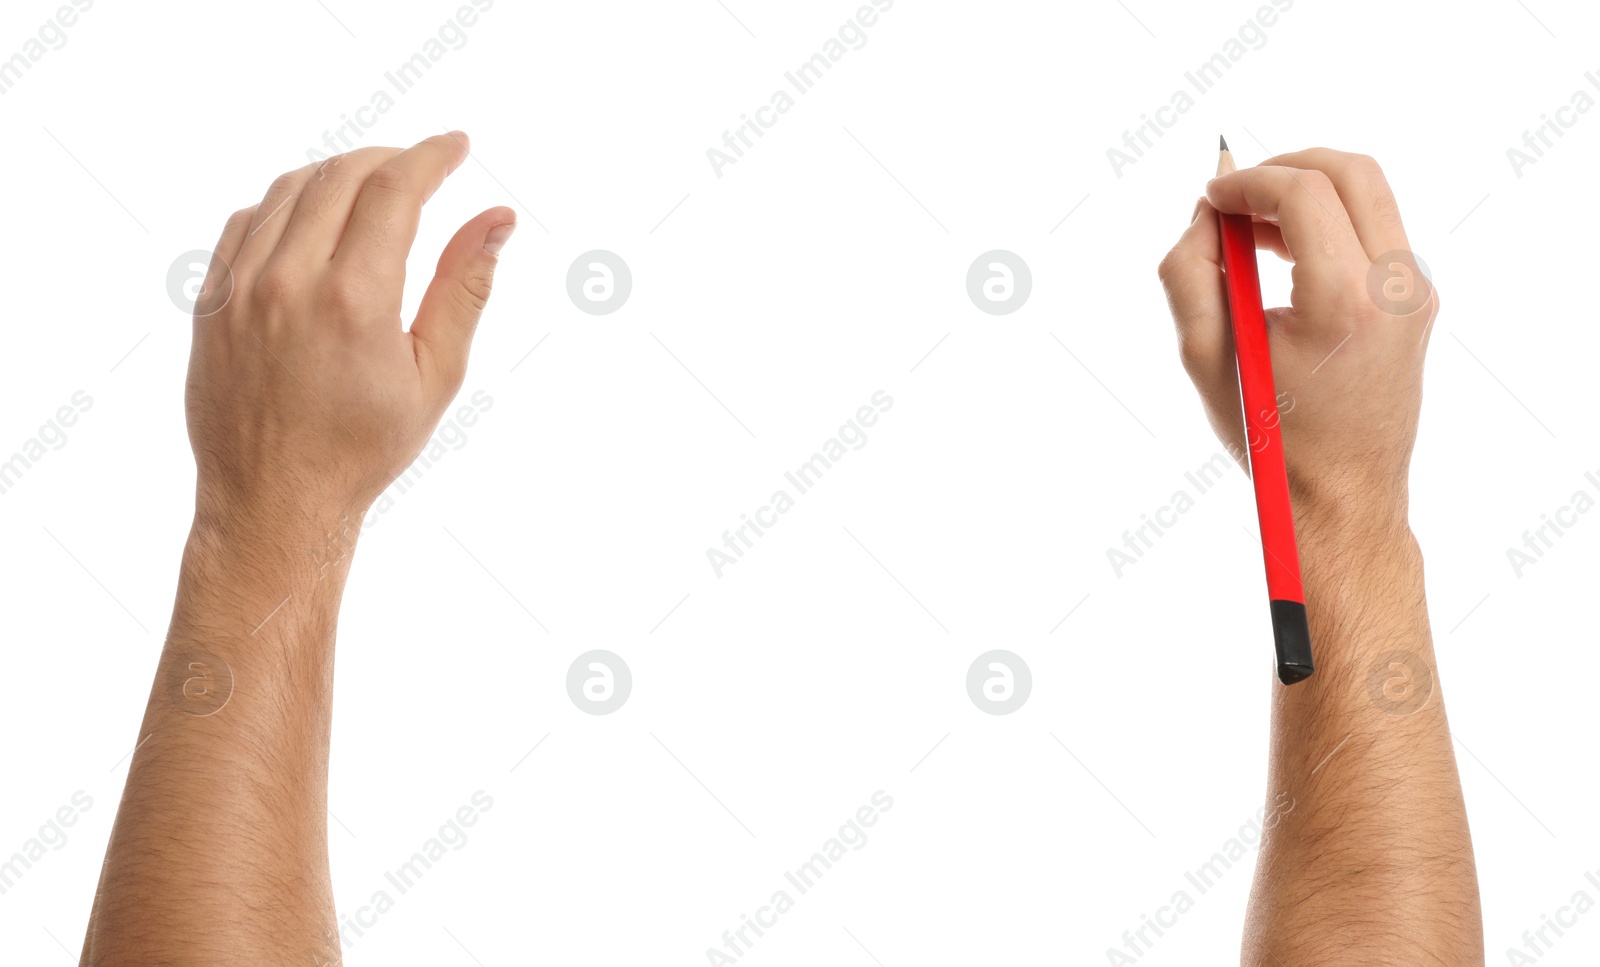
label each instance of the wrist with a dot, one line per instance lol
(1359, 519)
(1373, 540)
(236, 572)
(289, 541)
(1364, 583)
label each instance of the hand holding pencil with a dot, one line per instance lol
(1346, 354)
(1374, 865)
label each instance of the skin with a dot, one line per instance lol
(305, 399)
(1371, 862)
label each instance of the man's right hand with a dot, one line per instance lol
(1347, 351)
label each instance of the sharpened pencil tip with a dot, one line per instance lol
(1223, 143)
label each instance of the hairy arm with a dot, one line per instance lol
(305, 399)
(220, 843)
(1373, 862)
(1368, 860)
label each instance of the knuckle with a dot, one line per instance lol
(1186, 352)
(472, 292)
(389, 179)
(330, 195)
(1316, 181)
(276, 285)
(331, 167)
(1384, 205)
(344, 294)
(284, 184)
(1193, 354)
(1167, 268)
(1322, 157)
(1355, 303)
(1364, 166)
(1177, 270)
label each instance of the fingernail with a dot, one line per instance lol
(496, 239)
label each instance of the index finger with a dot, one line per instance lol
(384, 221)
(1364, 190)
(1307, 208)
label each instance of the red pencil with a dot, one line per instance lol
(1286, 595)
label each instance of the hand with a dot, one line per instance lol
(1346, 353)
(305, 396)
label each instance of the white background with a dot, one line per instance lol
(768, 305)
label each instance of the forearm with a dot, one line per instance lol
(1373, 862)
(305, 398)
(219, 851)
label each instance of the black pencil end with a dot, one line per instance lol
(1291, 636)
(1222, 143)
(1289, 674)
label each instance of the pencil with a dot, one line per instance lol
(1286, 597)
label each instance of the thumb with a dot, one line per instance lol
(1192, 275)
(1198, 298)
(448, 316)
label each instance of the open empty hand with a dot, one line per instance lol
(306, 396)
